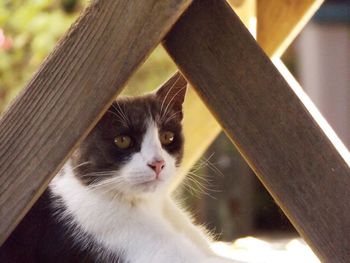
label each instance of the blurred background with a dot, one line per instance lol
(226, 196)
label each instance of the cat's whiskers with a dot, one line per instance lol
(205, 162)
(212, 166)
(101, 178)
(203, 180)
(189, 188)
(200, 178)
(118, 110)
(100, 174)
(121, 112)
(194, 183)
(79, 165)
(170, 101)
(199, 187)
(195, 187)
(107, 185)
(197, 183)
(167, 93)
(172, 116)
(120, 119)
(105, 180)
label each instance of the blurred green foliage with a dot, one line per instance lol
(156, 70)
(31, 28)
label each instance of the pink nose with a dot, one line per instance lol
(157, 166)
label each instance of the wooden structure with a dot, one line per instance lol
(263, 117)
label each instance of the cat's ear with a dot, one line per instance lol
(172, 92)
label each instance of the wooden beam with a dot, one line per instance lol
(199, 124)
(274, 42)
(279, 22)
(269, 125)
(73, 88)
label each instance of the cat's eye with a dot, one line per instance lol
(123, 141)
(167, 137)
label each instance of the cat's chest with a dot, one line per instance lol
(113, 223)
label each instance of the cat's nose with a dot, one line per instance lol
(157, 166)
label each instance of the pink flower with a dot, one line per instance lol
(5, 42)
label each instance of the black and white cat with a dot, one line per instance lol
(111, 201)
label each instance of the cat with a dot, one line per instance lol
(111, 200)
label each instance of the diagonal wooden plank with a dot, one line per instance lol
(71, 90)
(285, 29)
(199, 124)
(279, 22)
(267, 122)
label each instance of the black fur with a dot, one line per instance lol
(42, 238)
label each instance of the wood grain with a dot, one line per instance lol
(69, 93)
(279, 22)
(274, 42)
(200, 127)
(266, 121)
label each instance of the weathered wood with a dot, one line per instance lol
(279, 22)
(70, 92)
(274, 42)
(266, 121)
(200, 127)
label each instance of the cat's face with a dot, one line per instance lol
(137, 145)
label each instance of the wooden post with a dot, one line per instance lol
(73, 88)
(269, 125)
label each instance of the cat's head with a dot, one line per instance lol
(137, 145)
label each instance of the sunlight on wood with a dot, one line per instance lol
(316, 114)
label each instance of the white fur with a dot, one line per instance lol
(144, 222)
(136, 172)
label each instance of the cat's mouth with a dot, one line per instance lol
(150, 182)
(149, 185)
